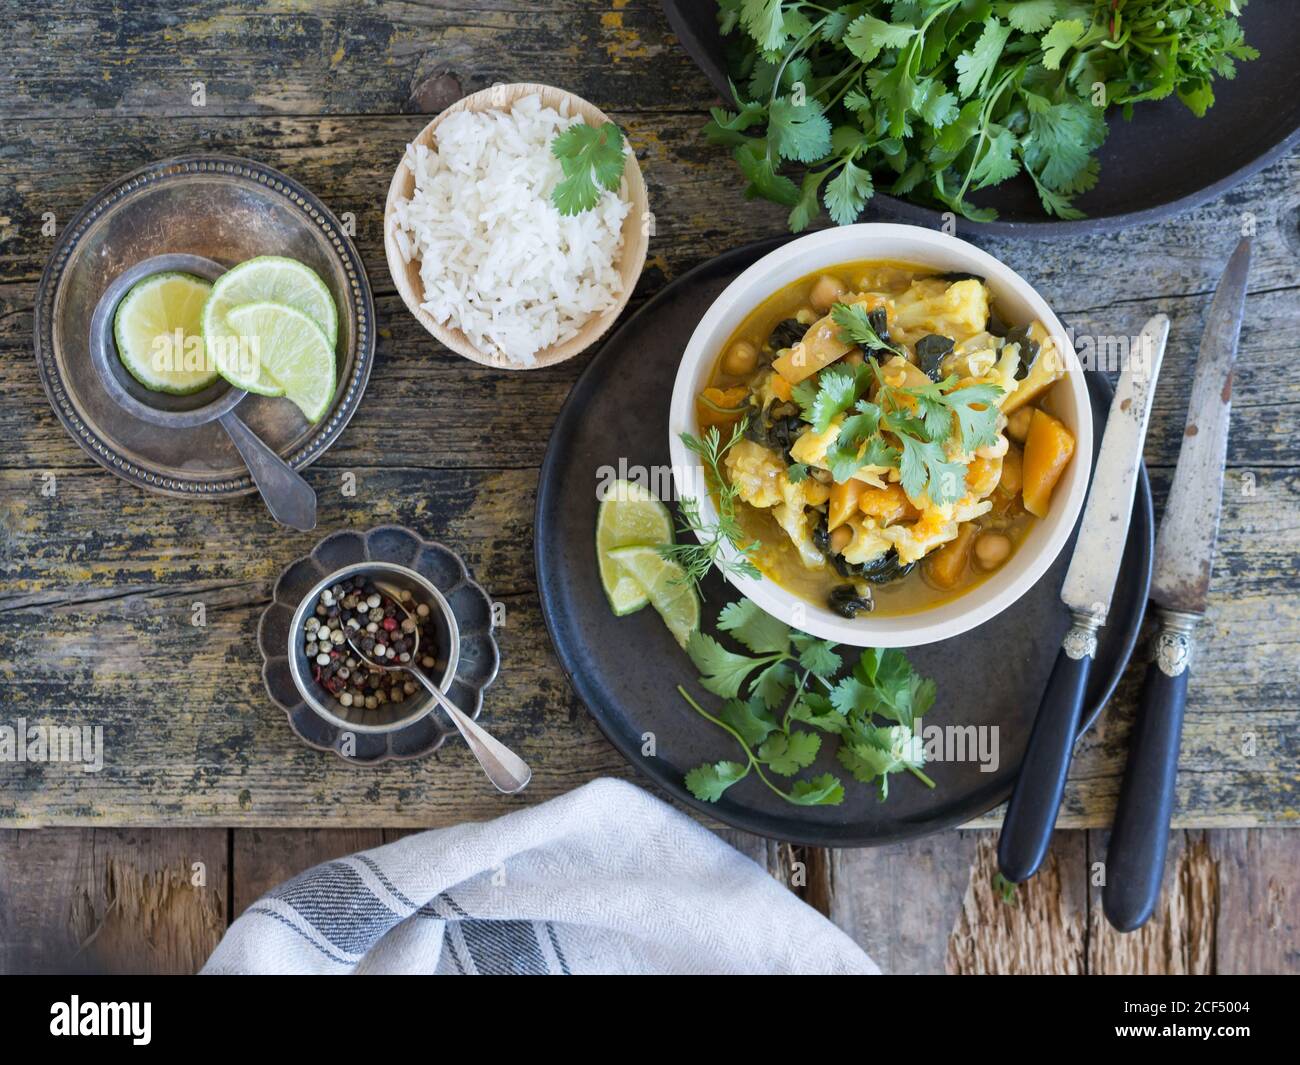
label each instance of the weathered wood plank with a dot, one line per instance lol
(106, 900)
(113, 605)
(1038, 929)
(899, 902)
(333, 57)
(1257, 920)
(262, 858)
(189, 732)
(55, 167)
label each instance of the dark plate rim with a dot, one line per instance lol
(932, 218)
(759, 823)
(102, 451)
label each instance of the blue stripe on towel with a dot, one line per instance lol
(504, 948)
(555, 946)
(294, 928)
(382, 877)
(335, 901)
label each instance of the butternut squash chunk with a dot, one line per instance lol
(1048, 450)
(945, 566)
(821, 344)
(1047, 369)
(887, 505)
(721, 406)
(820, 347)
(843, 502)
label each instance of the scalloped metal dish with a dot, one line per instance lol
(476, 666)
(223, 208)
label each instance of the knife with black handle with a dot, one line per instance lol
(1135, 859)
(1089, 585)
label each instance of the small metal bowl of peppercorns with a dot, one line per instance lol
(360, 604)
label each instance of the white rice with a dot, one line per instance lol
(497, 260)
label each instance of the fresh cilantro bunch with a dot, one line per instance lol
(904, 428)
(591, 158)
(788, 678)
(937, 99)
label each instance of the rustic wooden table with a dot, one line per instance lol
(206, 798)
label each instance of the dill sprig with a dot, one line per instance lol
(705, 548)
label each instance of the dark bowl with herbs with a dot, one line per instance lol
(1022, 119)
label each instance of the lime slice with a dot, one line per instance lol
(291, 350)
(145, 329)
(629, 515)
(666, 584)
(266, 279)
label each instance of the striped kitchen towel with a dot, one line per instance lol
(605, 879)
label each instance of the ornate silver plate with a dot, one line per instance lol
(474, 668)
(223, 208)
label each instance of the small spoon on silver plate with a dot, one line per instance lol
(508, 772)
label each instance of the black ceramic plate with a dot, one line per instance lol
(626, 669)
(1163, 161)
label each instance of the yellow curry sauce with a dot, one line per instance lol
(843, 531)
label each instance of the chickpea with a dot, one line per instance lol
(826, 290)
(841, 536)
(740, 359)
(1018, 424)
(992, 549)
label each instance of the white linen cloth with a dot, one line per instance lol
(605, 879)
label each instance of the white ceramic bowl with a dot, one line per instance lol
(1018, 303)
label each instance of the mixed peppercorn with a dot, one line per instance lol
(374, 621)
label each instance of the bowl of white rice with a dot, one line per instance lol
(480, 254)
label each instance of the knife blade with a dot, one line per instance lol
(1087, 591)
(1185, 542)
(1135, 859)
(1090, 580)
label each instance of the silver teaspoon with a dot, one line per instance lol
(508, 772)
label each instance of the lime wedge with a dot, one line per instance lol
(666, 584)
(266, 279)
(629, 515)
(292, 352)
(146, 326)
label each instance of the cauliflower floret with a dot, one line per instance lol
(957, 310)
(998, 448)
(761, 481)
(917, 540)
(797, 521)
(810, 449)
(756, 472)
(868, 542)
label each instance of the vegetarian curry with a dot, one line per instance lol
(887, 439)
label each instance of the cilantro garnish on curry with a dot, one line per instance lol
(879, 439)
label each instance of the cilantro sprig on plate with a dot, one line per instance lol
(937, 99)
(591, 158)
(705, 542)
(789, 678)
